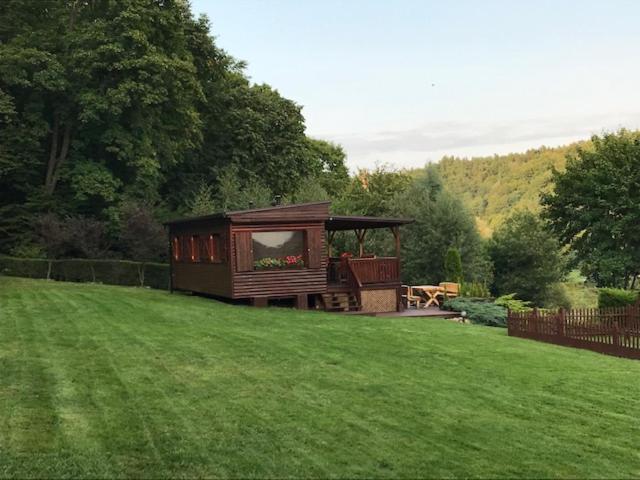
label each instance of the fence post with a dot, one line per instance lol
(534, 317)
(616, 334)
(560, 322)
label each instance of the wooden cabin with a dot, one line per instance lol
(285, 252)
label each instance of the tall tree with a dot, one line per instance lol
(527, 258)
(595, 208)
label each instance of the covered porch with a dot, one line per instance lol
(370, 283)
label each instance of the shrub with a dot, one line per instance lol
(112, 272)
(453, 266)
(24, 267)
(480, 311)
(616, 297)
(558, 296)
(514, 304)
(474, 289)
(527, 258)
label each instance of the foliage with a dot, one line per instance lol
(72, 236)
(112, 272)
(203, 202)
(526, 257)
(494, 187)
(510, 302)
(373, 192)
(474, 289)
(441, 222)
(142, 237)
(455, 389)
(27, 251)
(595, 208)
(616, 297)
(480, 311)
(559, 295)
(578, 292)
(290, 261)
(453, 266)
(104, 103)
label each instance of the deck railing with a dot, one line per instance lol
(614, 331)
(365, 270)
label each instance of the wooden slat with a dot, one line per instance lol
(244, 251)
(614, 331)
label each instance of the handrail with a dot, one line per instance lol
(353, 275)
(376, 270)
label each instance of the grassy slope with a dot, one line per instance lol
(111, 381)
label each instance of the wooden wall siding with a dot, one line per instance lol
(614, 331)
(243, 251)
(315, 247)
(210, 278)
(315, 212)
(275, 283)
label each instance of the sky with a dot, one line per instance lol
(404, 82)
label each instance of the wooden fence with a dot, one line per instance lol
(614, 331)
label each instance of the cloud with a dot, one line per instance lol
(414, 147)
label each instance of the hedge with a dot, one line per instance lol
(616, 297)
(112, 272)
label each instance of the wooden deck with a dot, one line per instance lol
(432, 312)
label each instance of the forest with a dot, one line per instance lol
(117, 116)
(496, 186)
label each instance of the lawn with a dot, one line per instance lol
(101, 381)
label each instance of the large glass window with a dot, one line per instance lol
(273, 250)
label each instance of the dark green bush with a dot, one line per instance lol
(112, 272)
(156, 275)
(24, 267)
(479, 310)
(120, 272)
(616, 297)
(474, 289)
(510, 302)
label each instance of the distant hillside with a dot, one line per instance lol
(494, 187)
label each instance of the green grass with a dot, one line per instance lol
(100, 381)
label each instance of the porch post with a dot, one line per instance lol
(396, 235)
(330, 235)
(360, 233)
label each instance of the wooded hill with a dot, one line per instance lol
(494, 187)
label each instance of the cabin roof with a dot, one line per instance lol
(318, 211)
(347, 222)
(230, 214)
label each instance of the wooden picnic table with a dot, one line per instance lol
(431, 293)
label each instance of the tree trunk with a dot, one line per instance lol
(56, 159)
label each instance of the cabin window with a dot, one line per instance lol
(278, 250)
(184, 247)
(210, 248)
(175, 246)
(194, 249)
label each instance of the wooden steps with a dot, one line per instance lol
(340, 302)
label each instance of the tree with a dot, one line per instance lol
(440, 222)
(594, 208)
(142, 237)
(329, 169)
(527, 258)
(203, 202)
(453, 266)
